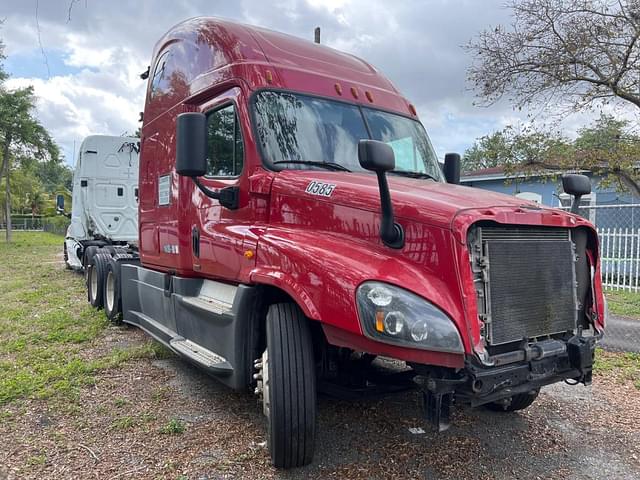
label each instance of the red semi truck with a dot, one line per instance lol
(295, 224)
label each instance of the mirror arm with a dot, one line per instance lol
(392, 233)
(229, 197)
(575, 204)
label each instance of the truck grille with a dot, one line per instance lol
(529, 286)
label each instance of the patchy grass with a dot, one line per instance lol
(173, 427)
(624, 366)
(47, 328)
(626, 304)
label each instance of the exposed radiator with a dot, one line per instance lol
(530, 290)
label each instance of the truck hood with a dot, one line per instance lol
(419, 200)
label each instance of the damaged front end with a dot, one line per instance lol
(538, 316)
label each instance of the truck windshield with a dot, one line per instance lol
(300, 128)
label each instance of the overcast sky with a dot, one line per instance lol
(90, 82)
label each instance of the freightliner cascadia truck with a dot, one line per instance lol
(105, 198)
(296, 231)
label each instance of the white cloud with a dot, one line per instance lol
(106, 45)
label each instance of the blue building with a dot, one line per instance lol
(606, 207)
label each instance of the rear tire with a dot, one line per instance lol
(97, 273)
(290, 387)
(518, 402)
(111, 294)
(65, 254)
(87, 259)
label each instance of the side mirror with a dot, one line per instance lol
(576, 185)
(191, 157)
(452, 168)
(191, 144)
(60, 203)
(376, 156)
(379, 157)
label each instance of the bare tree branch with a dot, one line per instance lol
(577, 52)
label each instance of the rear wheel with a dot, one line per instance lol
(518, 402)
(87, 259)
(289, 387)
(97, 273)
(111, 295)
(65, 254)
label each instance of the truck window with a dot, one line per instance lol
(301, 127)
(298, 127)
(411, 146)
(159, 73)
(225, 150)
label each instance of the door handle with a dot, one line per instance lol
(195, 242)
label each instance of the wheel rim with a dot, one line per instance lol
(266, 405)
(111, 291)
(94, 282)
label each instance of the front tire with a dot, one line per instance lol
(290, 387)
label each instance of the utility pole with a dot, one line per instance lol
(316, 35)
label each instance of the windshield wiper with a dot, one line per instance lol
(327, 165)
(405, 173)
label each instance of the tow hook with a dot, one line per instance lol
(581, 351)
(438, 397)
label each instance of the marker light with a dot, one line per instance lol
(380, 321)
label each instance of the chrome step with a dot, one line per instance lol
(201, 355)
(207, 304)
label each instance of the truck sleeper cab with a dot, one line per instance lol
(294, 224)
(105, 197)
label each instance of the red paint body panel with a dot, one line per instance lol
(317, 249)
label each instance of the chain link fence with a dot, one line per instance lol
(55, 225)
(619, 234)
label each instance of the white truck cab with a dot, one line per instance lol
(105, 196)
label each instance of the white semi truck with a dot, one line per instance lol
(105, 198)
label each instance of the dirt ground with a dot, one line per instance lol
(117, 432)
(156, 417)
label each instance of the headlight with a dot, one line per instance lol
(393, 315)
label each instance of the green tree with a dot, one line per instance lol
(609, 147)
(21, 134)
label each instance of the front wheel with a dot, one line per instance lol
(289, 387)
(519, 401)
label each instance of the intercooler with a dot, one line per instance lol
(528, 282)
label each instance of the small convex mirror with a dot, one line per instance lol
(576, 184)
(60, 203)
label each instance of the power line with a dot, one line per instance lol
(44, 55)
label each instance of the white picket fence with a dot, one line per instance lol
(620, 258)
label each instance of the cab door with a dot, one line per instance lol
(219, 234)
